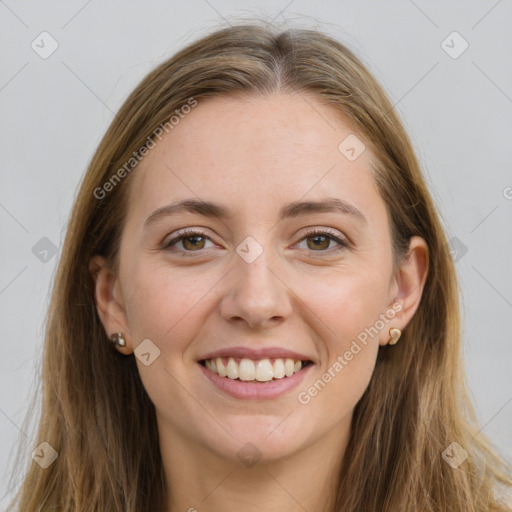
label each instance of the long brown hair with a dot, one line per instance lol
(96, 413)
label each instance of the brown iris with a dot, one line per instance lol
(325, 242)
(194, 244)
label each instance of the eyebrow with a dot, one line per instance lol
(295, 209)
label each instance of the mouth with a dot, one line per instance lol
(254, 370)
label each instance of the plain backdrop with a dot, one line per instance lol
(453, 92)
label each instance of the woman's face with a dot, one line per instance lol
(255, 283)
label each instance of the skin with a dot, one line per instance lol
(255, 155)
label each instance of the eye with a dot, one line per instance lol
(319, 240)
(191, 240)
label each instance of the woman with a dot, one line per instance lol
(255, 306)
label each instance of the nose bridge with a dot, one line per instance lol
(254, 269)
(256, 293)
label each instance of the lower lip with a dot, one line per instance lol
(255, 390)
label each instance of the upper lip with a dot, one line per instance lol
(255, 354)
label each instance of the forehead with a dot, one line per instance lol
(252, 150)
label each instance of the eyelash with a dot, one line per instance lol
(308, 234)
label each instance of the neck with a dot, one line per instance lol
(198, 479)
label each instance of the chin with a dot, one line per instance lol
(265, 438)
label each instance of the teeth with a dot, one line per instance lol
(221, 369)
(279, 372)
(248, 370)
(289, 366)
(232, 369)
(264, 371)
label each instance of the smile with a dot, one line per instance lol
(249, 370)
(253, 389)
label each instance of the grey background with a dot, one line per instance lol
(458, 112)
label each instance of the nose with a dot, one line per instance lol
(256, 294)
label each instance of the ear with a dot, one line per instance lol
(408, 284)
(109, 301)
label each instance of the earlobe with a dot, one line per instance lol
(409, 283)
(108, 301)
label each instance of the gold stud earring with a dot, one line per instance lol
(395, 334)
(118, 339)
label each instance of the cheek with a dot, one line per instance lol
(348, 311)
(166, 304)
(350, 308)
(339, 388)
(350, 302)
